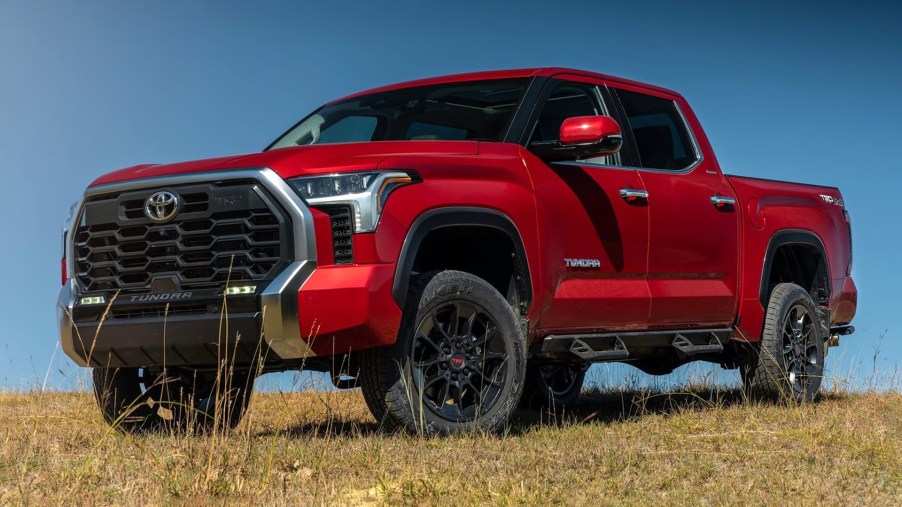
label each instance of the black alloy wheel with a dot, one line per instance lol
(458, 360)
(800, 352)
(788, 363)
(138, 400)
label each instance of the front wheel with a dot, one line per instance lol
(135, 400)
(459, 362)
(788, 363)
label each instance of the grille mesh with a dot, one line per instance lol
(222, 232)
(342, 233)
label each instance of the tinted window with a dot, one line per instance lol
(350, 129)
(659, 131)
(430, 131)
(566, 101)
(471, 110)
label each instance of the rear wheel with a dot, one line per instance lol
(552, 385)
(788, 363)
(458, 364)
(137, 400)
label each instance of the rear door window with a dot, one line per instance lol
(661, 136)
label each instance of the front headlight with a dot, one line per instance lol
(365, 192)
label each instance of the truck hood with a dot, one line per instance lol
(301, 160)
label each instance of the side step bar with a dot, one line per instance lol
(582, 350)
(635, 345)
(685, 345)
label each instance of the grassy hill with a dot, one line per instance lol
(324, 448)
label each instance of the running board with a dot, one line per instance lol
(635, 345)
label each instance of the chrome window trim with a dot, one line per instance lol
(279, 301)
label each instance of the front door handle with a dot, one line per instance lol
(722, 202)
(633, 196)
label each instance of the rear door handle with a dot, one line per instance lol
(631, 195)
(722, 202)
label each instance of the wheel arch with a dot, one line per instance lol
(789, 238)
(464, 216)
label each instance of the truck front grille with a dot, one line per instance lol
(224, 231)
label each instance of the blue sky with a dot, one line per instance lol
(806, 92)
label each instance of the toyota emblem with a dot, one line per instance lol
(161, 207)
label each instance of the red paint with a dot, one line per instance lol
(579, 214)
(588, 129)
(675, 261)
(343, 307)
(792, 206)
(302, 160)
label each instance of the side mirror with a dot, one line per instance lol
(591, 130)
(582, 137)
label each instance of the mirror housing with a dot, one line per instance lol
(589, 130)
(582, 137)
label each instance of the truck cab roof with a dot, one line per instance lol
(508, 74)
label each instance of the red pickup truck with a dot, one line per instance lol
(457, 247)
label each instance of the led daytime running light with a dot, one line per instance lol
(239, 290)
(365, 192)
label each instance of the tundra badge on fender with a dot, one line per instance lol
(582, 263)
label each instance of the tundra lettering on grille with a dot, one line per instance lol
(165, 296)
(227, 231)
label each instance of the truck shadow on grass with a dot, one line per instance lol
(594, 406)
(605, 407)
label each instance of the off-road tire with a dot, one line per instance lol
(788, 363)
(137, 400)
(380, 364)
(555, 387)
(391, 376)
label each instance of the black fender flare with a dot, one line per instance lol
(790, 237)
(457, 216)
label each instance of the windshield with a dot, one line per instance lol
(472, 110)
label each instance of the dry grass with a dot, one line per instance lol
(324, 448)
